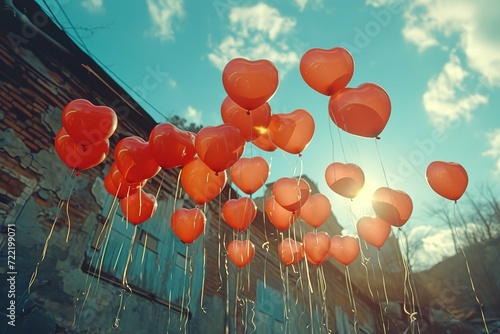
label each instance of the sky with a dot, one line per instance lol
(438, 60)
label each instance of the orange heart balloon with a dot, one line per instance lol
(264, 142)
(188, 224)
(316, 247)
(344, 249)
(219, 146)
(290, 251)
(239, 213)
(363, 111)
(251, 123)
(281, 218)
(200, 182)
(316, 210)
(117, 186)
(87, 123)
(292, 132)
(345, 179)
(250, 83)
(291, 193)
(249, 174)
(448, 179)
(135, 160)
(374, 230)
(138, 207)
(327, 71)
(393, 206)
(241, 252)
(77, 156)
(171, 146)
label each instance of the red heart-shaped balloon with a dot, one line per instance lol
(241, 252)
(138, 207)
(316, 247)
(290, 251)
(327, 71)
(120, 187)
(316, 210)
(291, 193)
(200, 182)
(292, 132)
(239, 213)
(251, 123)
(264, 142)
(250, 174)
(448, 179)
(363, 111)
(171, 146)
(87, 123)
(250, 83)
(344, 249)
(374, 230)
(281, 218)
(345, 179)
(188, 224)
(134, 158)
(393, 206)
(219, 146)
(77, 156)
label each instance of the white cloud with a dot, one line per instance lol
(93, 6)
(193, 115)
(446, 99)
(301, 4)
(163, 14)
(494, 151)
(257, 32)
(380, 3)
(471, 26)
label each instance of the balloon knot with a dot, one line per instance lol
(216, 173)
(248, 112)
(378, 138)
(77, 173)
(300, 154)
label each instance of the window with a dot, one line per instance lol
(157, 270)
(269, 311)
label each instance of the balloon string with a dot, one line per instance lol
(342, 144)
(364, 262)
(184, 286)
(408, 290)
(352, 300)
(227, 287)
(379, 299)
(236, 299)
(310, 296)
(381, 163)
(383, 285)
(265, 245)
(468, 270)
(321, 274)
(203, 278)
(129, 258)
(219, 267)
(190, 263)
(178, 190)
(331, 138)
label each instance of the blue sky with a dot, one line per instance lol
(439, 61)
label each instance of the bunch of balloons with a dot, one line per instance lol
(82, 142)
(206, 158)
